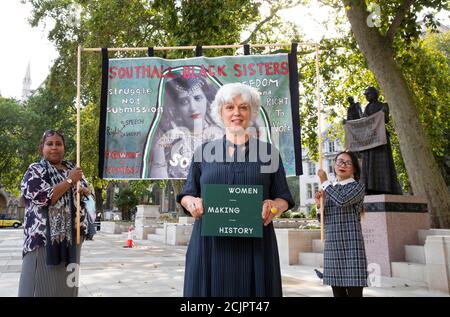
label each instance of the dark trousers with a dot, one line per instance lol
(352, 291)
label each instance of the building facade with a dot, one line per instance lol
(309, 181)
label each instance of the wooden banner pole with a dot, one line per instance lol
(192, 47)
(319, 140)
(78, 140)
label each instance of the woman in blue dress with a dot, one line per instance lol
(235, 266)
(345, 263)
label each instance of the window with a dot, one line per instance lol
(312, 168)
(316, 187)
(331, 146)
(309, 189)
(330, 166)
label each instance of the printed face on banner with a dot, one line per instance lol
(192, 107)
(159, 111)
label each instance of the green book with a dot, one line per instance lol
(232, 210)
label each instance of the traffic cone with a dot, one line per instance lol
(130, 242)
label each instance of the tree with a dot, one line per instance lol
(126, 200)
(141, 23)
(379, 47)
(19, 145)
(141, 190)
(22, 126)
(294, 189)
(426, 68)
(52, 111)
(137, 23)
(89, 148)
(344, 72)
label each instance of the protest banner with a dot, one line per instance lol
(158, 111)
(365, 133)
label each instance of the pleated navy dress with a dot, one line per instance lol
(234, 266)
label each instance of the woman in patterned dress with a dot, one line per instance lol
(50, 254)
(345, 263)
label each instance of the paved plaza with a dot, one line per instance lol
(153, 269)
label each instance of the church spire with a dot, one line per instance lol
(26, 84)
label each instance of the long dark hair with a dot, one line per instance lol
(48, 133)
(355, 163)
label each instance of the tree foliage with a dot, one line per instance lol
(382, 44)
(136, 23)
(16, 141)
(344, 70)
(426, 68)
(142, 191)
(126, 201)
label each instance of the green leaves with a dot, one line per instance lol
(18, 142)
(126, 200)
(426, 68)
(344, 72)
(132, 23)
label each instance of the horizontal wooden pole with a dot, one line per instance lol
(191, 47)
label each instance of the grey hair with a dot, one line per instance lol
(227, 92)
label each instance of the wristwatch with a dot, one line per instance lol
(69, 180)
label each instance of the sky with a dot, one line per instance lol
(30, 45)
(22, 44)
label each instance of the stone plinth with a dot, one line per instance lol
(293, 223)
(113, 227)
(389, 223)
(293, 241)
(112, 215)
(177, 234)
(147, 211)
(437, 254)
(186, 220)
(141, 232)
(145, 221)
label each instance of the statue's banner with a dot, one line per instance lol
(156, 112)
(365, 133)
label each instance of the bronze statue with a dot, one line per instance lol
(378, 169)
(354, 110)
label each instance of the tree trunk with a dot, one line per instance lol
(98, 199)
(422, 168)
(177, 186)
(162, 206)
(109, 196)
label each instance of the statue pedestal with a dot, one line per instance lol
(390, 222)
(145, 221)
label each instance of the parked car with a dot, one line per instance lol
(7, 221)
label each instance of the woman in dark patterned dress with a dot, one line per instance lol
(345, 263)
(235, 266)
(50, 254)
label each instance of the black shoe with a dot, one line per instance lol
(319, 274)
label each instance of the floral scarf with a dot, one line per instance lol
(59, 214)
